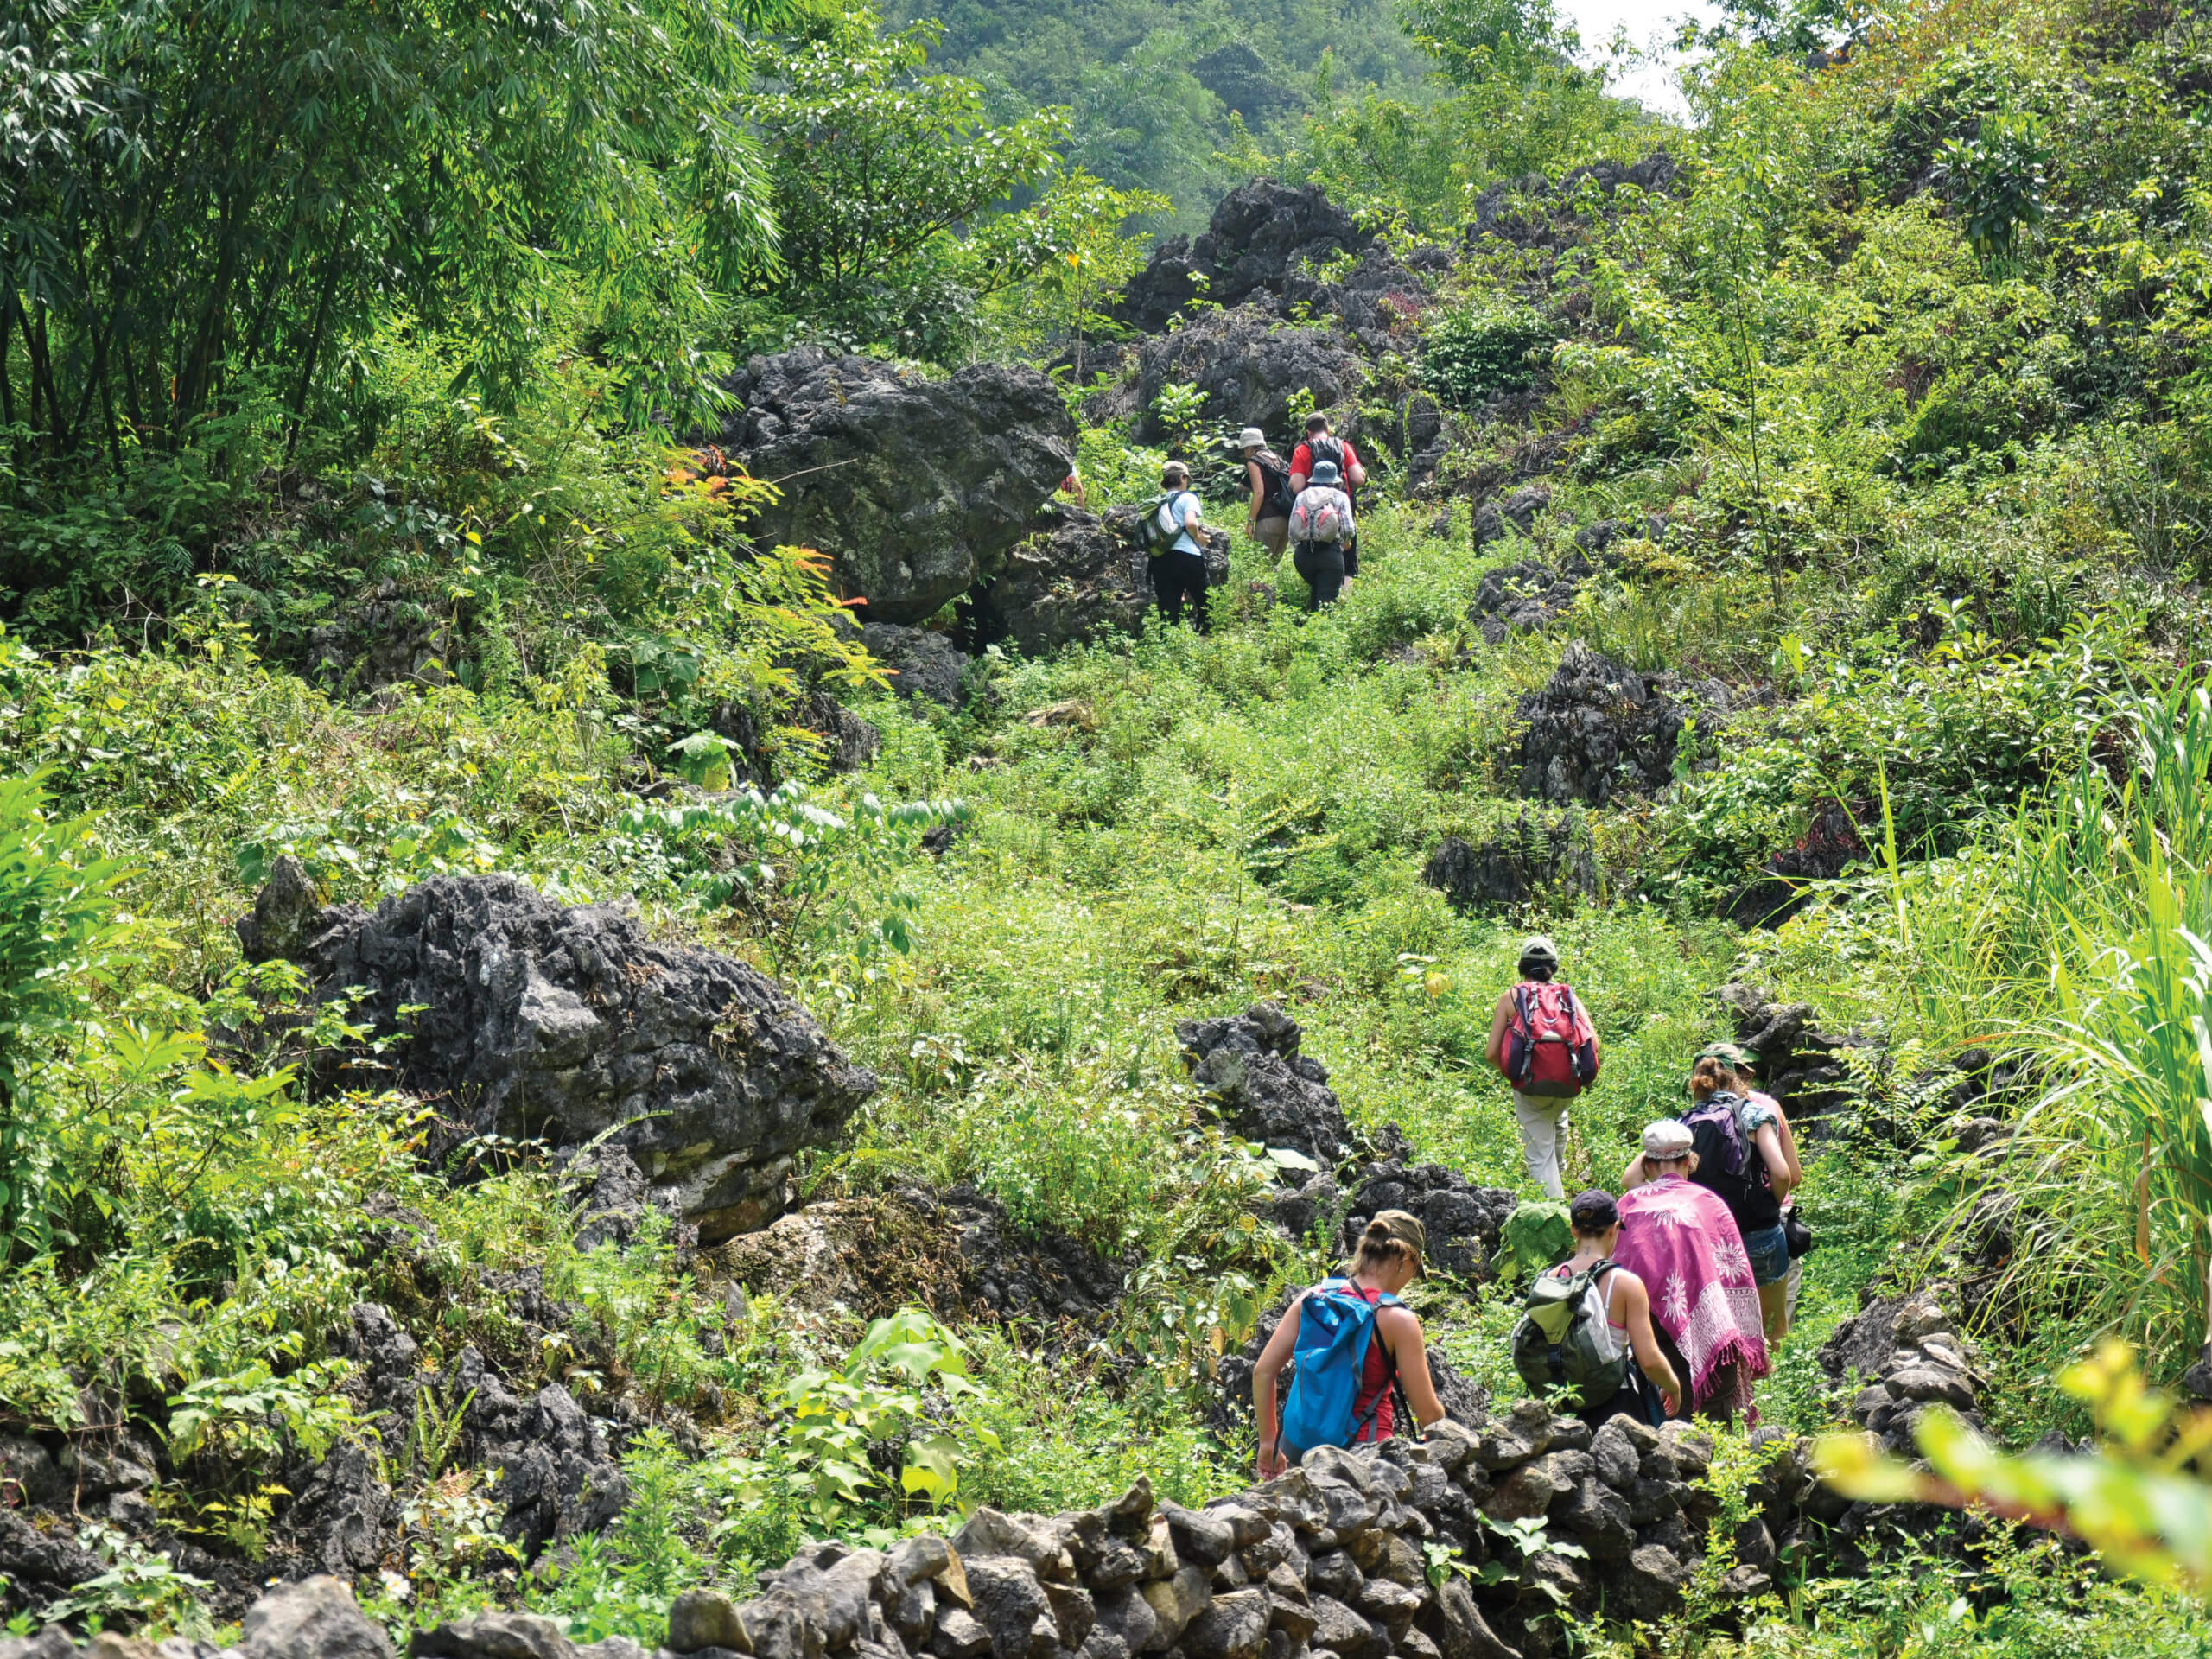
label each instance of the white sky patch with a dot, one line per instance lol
(1651, 25)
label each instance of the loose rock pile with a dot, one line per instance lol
(1598, 730)
(1260, 233)
(541, 1020)
(1909, 1355)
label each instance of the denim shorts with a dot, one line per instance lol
(1768, 1249)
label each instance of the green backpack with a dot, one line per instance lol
(1556, 1348)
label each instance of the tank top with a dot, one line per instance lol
(1375, 1379)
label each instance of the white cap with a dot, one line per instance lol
(1665, 1139)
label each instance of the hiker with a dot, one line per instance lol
(1268, 521)
(1072, 485)
(1324, 535)
(1679, 1238)
(1587, 1318)
(1794, 1231)
(1320, 446)
(1173, 533)
(1356, 1344)
(1542, 1042)
(1739, 1158)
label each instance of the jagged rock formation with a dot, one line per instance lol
(1521, 860)
(1796, 1065)
(1265, 1090)
(1517, 511)
(1532, 212)
(915, 489)
(1083, 578)
(541, 1020)
(1249, 365)
(377, 638)
(1261, 234)
(1597, 731)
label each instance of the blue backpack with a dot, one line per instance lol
(1335, 1324)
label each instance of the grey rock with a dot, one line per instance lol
(381, 636)
(1654, 1579)
(339, 1517)
(52, 1643)
(1456, 1624)
(1175, 1602)
(1126, 1614)
(705, 1618)
(314, 1618)
(493, 1636)
(1518, 512)
(1333, 1573)
(1079, 578)
(1259, 238)
(1615, 1457)
(557, 1474)
(567, 1023)
(1339, 1630)
(923, 663)
(1234, 1626)
(41, 1567)
(1012, 1605)
(915, 489)
(1073, 1612)
(1266, 1091)
(613, 1647)
(959, 1635)
(1199, 1538)
(1515, 862)
(28, 1473)
(1391, 1604)
(1598, 1517)
(1463, 1221)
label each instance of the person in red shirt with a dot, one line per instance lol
(1320, 446)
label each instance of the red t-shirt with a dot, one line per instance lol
(1301, 462)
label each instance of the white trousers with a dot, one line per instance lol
(1543, 1122)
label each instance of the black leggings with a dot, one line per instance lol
(1323, 565)
(1177, 577)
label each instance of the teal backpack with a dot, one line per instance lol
(1333, 1331)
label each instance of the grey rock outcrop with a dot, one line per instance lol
(1249, 365)
(1080, 579)
(914, 487)
(542, 1020)
(314, 1618)
(923, 662)
(1528, 593)
(1521, 860)
(1261, 234)
(1265, 1090)
(1518, 512)
(1597, 731)
(381, 637)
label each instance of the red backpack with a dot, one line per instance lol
(1551, 1049)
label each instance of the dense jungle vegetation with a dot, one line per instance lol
(1901, 388)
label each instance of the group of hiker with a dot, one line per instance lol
(1303, 505)
(1661, 1301)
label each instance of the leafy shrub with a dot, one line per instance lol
(1471, 353)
